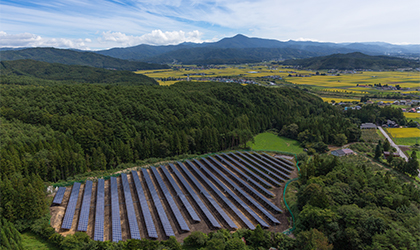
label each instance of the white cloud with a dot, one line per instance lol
(156, 37)
(33, 40)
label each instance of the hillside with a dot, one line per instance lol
(353, 61)
(72, 57)
(35, 71)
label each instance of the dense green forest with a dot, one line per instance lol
(30, 72)
(352, 61)
(356, 206)
(63, 130)
(72, 57)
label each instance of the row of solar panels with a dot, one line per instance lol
(259, 171)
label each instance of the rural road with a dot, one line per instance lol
(400, 152)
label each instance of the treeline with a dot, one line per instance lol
(357, 207)
(376, 114)
(353, 61)
(62, 130)
(30, 72)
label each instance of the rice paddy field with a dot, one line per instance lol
(342, 84)
(404, 136)
(413, 116)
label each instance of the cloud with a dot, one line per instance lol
(156, 37)
(33, 40)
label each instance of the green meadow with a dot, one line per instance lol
(270, 141)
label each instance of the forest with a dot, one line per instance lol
(59, 131)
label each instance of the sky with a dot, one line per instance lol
(103, 24)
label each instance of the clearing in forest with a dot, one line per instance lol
(270, 141)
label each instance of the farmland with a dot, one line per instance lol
(413, 116)
(340, 83)
(404, 136)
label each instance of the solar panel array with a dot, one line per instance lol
(195, 197)
(150, 225)
(281, 169)
(243, 194)
(71, 206)
(181, 195)
(159, 207)
(210, 199)
(255, 169)
(252, 191)
(281, 161)
(172, 205)
(100, 207)
(276, 173)
(234, 197)
(59, 195)
(115, 211)
(244, 176)
(84, 213)
(131, 214)
(231, 178)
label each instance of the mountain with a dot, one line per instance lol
(26, 71)
(72, 57)
(352, 61)
(241, 48)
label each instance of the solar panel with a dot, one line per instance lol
(281, 169)
(241, 191)
(181, 195)
(172, 205)
(115, 211)
(159, 207)
(244, 176)
(100, 207)
(131, 214)
(84, 212)
(59, 195)
(257, 170)
(249, 189)
(280, 175)
(71, 206)
(233, 196)
(150, 225)
(288, 164)
(195, 197)
(210, 199)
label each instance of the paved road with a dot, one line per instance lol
(400, 152)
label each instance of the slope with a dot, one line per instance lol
(72, 57)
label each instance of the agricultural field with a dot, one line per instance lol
(413, 116)
(404, 136)
(344, 84)
(270, 141)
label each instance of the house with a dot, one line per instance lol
(358, 107)
(386, 154)
(396, 103)
(390, 124)
(412, 110)
(342, 152)
(403, 102)
(368, 126)
(369, 102)
(404, 110)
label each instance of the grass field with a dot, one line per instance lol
(407, 141)
(34, 242)
(269, 141)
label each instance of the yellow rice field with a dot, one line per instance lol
(404, 132)
(412, 115)
(339, 99)
(347, 81)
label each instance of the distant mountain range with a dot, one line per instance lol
(240, 49)
(237, 49)
(73, 57)
(352, 61)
